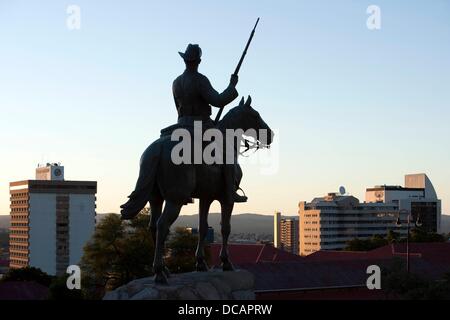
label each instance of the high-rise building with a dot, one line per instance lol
(289, 235)
(276, 230)
(51, 220)
(286, 233)
(328, 223)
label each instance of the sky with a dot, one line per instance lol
(350, 106)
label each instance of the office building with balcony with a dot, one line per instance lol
(329, 222)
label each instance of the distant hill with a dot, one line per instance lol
(255, 223)
(240, 223)
(4, 221)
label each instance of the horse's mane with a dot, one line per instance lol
(228, 118)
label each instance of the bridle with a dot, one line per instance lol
(255, 145)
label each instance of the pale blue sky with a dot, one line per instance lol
(353, 107)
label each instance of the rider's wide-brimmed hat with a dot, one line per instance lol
(192, 53)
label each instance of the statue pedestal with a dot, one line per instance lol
(212, 285)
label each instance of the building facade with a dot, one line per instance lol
(289, 235)
(418, 196)
(51, 220)
(328, 223)
(286, 231)
(276, 229)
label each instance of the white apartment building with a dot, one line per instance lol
(51, 220)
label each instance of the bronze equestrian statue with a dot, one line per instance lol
(193, 95)
(161, 180)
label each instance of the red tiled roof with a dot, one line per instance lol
(330, 269)
(251, 253)
(22, 290)
(383, 252)
(434, 252)
(431, 251)
(302, 275)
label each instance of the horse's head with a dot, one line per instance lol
(248, 119)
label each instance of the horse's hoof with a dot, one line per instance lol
(201, 266)
(160, 278)
(227, 266)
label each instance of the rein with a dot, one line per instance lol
(256, 145)
(248, 144)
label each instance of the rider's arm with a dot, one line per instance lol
(213, 97)
(174, 84)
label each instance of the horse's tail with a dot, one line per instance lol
(145, 183)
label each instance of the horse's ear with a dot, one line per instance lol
(248, 103)
(241, 104)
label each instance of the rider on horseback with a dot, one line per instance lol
(194, 95)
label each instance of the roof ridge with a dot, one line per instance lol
(260, 253)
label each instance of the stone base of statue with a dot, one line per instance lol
(212, 285)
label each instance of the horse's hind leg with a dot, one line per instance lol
(201, 264)
(168, 216)
(155, 210)
(227, 210)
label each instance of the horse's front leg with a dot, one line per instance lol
(167, 218)
(227, 210)
(204, 205)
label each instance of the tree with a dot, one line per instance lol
(377, 241)
(181, 251)
(58, 290)
(421, 235)
(393, 237)
(28, 274)
(356, 244)
(399, 284)
(121, 251)
(4, 240)
(118, 252)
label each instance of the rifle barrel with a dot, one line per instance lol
(238, 67)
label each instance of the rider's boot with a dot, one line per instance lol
(230, 186)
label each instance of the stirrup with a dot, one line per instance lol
(237, 198)
(239, 188)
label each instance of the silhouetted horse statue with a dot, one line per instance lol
(160, 179)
